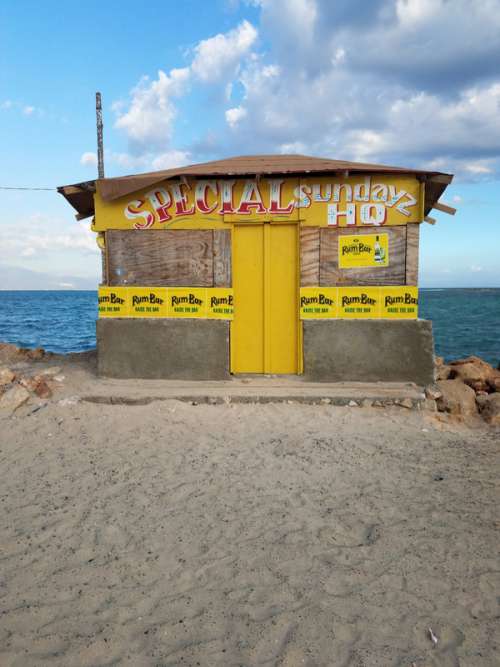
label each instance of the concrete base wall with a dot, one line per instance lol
(369, 351)
(175, 349)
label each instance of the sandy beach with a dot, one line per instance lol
(237, 535)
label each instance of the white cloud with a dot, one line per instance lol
(149, 119)
(218, 57)
(234, 115)
(398, 81)
(40, 236)
(170, 159)
(412, 12)
(6, 104)
(28, 251)
(28, 110)
(89, 159)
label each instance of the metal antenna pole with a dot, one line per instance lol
(100, 149)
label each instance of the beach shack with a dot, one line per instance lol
(266, 264)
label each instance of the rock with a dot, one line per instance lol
(481, 399)
(406, 403)
(29, 383)
(494, 382)
(59, 378)
(378, 404)
(8, 352)
(352, 404)
(326, 401)
(457, 398)
(42, 389)
(443, 372)
(430, 404)
(52, 371)
(438, 361)
(366, 403)
(6, 376)
(491, 409)
(14, 398)
(473, 371)
(38, 385)
(433, 392)
(37, 353)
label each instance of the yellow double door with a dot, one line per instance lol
(265, 335)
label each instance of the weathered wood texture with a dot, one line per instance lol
(104, 271)
(163, 257)
(331, 275)
(309, 256)
(412, 242)
(222, 257)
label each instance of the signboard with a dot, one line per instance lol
(113, 302)
(187, 302)
(399, 302)
(318, 303)
(197, 302)
(147, 301)
(366, 250)
(220, 303)
(375, 200)
(359, 302)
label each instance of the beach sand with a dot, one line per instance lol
(295, 535)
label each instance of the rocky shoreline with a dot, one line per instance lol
(467, 387)
(463, 389)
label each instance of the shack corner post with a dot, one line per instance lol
(265, 264)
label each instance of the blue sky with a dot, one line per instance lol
(406, 82)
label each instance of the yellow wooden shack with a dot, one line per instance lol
(268, 264)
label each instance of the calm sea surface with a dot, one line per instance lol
(465, 321)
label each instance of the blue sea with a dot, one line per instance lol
(465, 321)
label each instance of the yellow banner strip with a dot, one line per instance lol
(188, 302)
(399, 302)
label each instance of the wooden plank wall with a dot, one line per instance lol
(222, 258)
(412, 240)
(319, 258)
(191, 258)
(309, 256)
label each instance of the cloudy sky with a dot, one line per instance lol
(405, 82)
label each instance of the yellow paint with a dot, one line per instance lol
(352, 201)
(220, 303)
(359, 302)
(187, 302)
(264, 332)
(247, 328)
(375, 200)
(399, 302)
(363, 251)
(281, 299)
(113, 302)
(147, 301)
(318, 303)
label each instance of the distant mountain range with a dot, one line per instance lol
(15, 278)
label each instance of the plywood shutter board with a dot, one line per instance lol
(160, 257)
(412, 243)
(332, 275)
(309, 256)
(222, 257)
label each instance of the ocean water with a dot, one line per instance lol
(465, 321)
